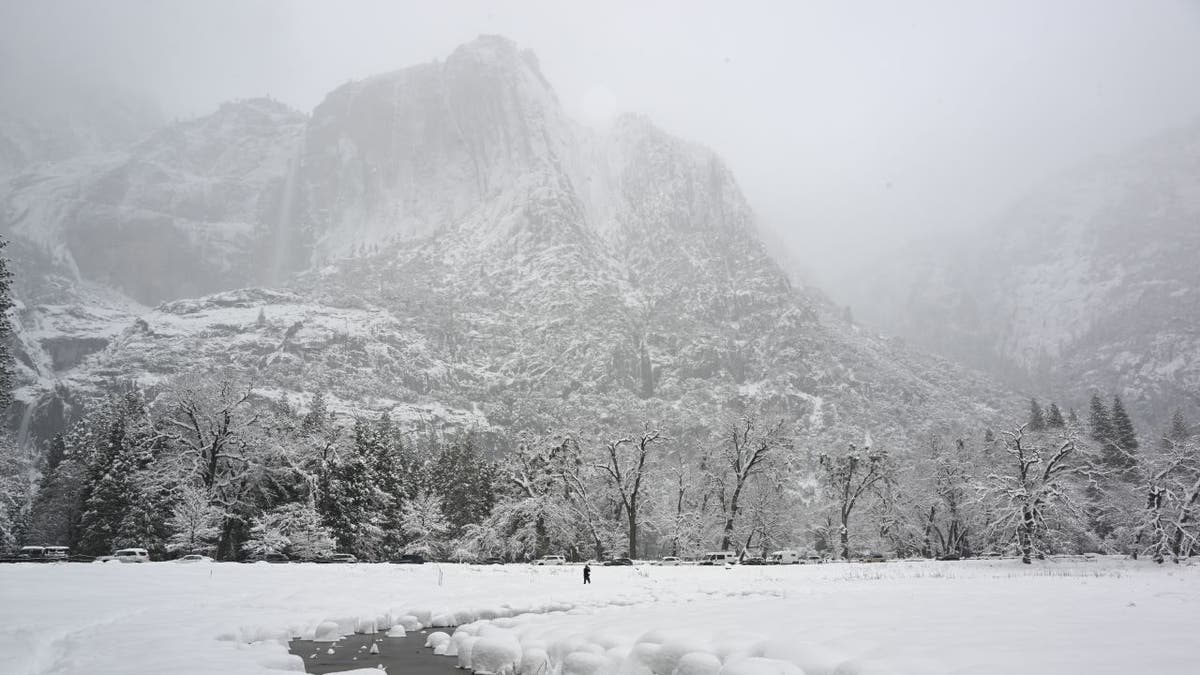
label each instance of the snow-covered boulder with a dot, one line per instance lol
(495, 656)
(327, 631)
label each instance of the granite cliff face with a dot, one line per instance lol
(444, 243)
(1088, 284)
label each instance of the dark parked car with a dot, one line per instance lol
(493, 561)
(753, 561)
(618, 562)
(271, 558)
(409, 559)
(869, 557)
(949, 556)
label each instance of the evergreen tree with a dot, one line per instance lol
(1054, 419)
(1123, 431)
(1037, 419)
(351, 505)
(1100, 422)
(1073, 418)
(56, 509)
(466, 482)
(1178, 431)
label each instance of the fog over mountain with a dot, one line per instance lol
(851, 128)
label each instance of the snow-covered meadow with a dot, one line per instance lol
(1093, 617)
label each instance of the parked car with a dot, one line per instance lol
(409, 559)
(949, 556)
(872, 557)
(670, 561)
(718, 558)
(618, 562)
(753, 561)
(493, 561)
(551, 560)
(270, 558)
(132, 555)
(785, 557)
(194, 558)
(58, 553)
(812, 559)
(343, 558)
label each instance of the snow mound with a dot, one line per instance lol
(864, 667)
(397, 631)
(814, 659)
(584, 663)
(327, 631)
(436, 640)
(465, 646)
(409, 622)
(534, 661)
(495, 656)
(758, 665)
(698, 663)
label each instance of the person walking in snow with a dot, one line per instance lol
(587, 573)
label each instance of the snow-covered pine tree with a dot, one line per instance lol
(1121, 452)
(352, 504)
(1178, 432)
(466, 481)
(1054, 418)
(1037, 418)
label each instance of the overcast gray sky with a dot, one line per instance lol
(851, 125)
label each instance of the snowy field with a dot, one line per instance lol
(921, 618)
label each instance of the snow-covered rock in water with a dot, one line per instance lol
(374, 648)
(409, 622)
(327, 631)
(366, 626)
(495, 655)
(397, 631)
(463, 647)
(437, 639)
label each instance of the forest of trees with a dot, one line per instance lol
(201, 466)
(207, 464)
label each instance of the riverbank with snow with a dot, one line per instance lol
(1108, 616)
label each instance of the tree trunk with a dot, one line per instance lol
(844, 536)
(1185, 516)
(1025, 535)
(633, 534)
(727, 538)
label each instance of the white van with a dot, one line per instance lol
(719, 558)
(132, 555)
(550, 560)
(784, 558)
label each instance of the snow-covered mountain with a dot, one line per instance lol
(443, 242)
(1090, 283)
